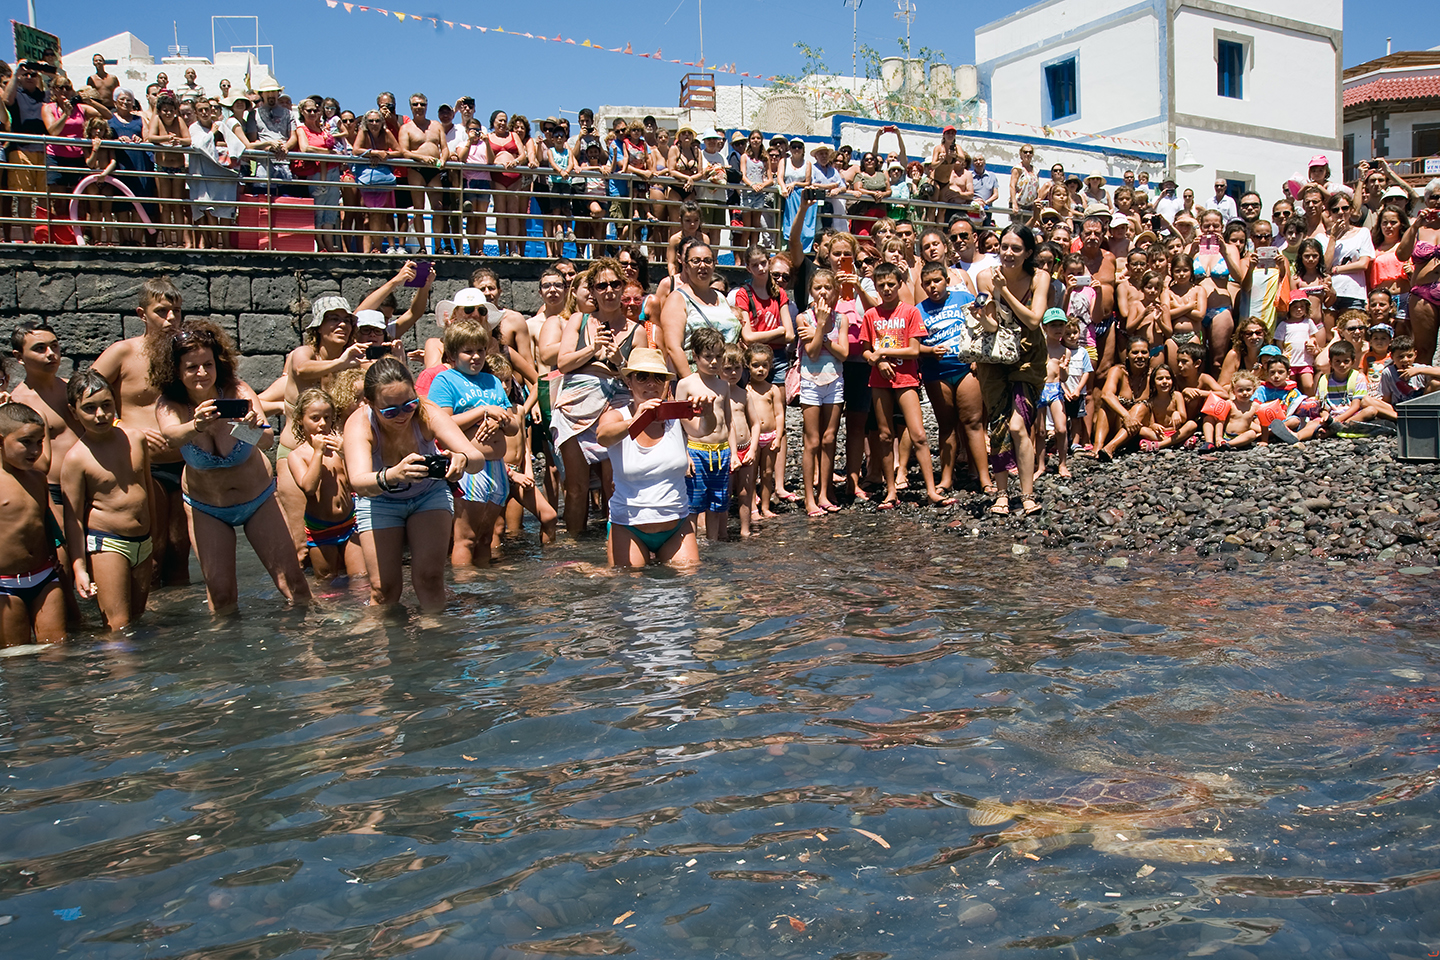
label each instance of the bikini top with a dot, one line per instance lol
(425, 447)
(1221, 271)
(1424, 251)
(202, 459)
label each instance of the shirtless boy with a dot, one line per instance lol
(127, 366)
(103, 83)
(766, 402)
(1195, 387)
(744, 447)
(708, 437)
(106, 477)
(38, 350)
(1237, 427)
(31, 605)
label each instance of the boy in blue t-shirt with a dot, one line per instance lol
(477, 400)
(1299, 417)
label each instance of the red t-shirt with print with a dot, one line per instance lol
(893, 328)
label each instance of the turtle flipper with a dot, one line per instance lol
(1177, 849)
(987, 813)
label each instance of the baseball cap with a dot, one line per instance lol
(324, 305)
(1319, 160)
(1270, 350)
(948, 129)
(371, 318)
(470, 297)
(1054, 315)
(1119, 220)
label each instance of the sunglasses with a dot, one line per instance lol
(781, 277)
(701, 261)
(1354, 329)
(390, 413)
(470, 309)
(601, 285)
(644, 376)
(961, 236)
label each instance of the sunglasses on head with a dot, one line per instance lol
(399, 410)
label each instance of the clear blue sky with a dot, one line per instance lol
(353, 56)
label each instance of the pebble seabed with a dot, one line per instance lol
(1333, 500)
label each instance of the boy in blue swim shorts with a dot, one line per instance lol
(709, 436)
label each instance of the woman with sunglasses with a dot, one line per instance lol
(593, 346)
(1024, 186)
(650, 515)
(1347, 258)
(402, 481)
(227, 481)
(374, 145)
(870, 188)
(1244, 353)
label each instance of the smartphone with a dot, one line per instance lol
(376, 350)
(669, 410)
(437, 465)
(422, 274)
(236, 409)
(813, 194)
(1266, 256)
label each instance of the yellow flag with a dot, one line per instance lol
(400, 17)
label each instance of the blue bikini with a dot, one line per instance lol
(236, 515)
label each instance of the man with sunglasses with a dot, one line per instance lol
(967, 255)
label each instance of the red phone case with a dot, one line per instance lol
(669, 410)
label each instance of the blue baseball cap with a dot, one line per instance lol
(1270, 350)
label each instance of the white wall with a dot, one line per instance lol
(1325, 13)
(1275, 95)
(1400, 127)
(1109, 97)
(1041, 22)
(1267, 163)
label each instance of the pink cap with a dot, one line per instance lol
(1319, 160)
(1299, 296)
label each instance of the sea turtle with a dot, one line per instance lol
(1114, 812)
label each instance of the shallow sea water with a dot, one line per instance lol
(779, 756)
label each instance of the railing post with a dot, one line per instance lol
(270, 202)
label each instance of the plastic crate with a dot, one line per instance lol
(292, 214)
(1420, 428)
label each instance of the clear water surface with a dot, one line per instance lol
(801, 751)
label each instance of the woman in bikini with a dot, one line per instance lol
(227, 481)
(1212, 274)
(684, 164)
(1126, 390)
(506, 152)
(1420, 244)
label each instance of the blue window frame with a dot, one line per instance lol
(1060, 85)
(1230, 72)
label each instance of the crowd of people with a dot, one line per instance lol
(440, 182)
(1095, 322)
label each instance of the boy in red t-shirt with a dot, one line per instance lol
(889, 335)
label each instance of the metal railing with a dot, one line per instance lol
(276, 212)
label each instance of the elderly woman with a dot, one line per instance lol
(593, 346)
(216, 421)
(1420, 244)
(1015, 295)
(374, 145)
(392, 453)
(650, 515)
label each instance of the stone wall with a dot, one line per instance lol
(89, 295)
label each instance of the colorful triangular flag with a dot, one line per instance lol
(349, 7)
(627, 49)
(332, 4)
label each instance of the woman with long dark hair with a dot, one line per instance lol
(1014, 294)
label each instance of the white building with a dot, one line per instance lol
(137, 69)
(1217, 79)
(1392, 110)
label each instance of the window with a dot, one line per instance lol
(1230, 61)
(1235, 189)
(1425, 140)
(1060, 89)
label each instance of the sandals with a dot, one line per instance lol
(1001, 506)
(1031, 507)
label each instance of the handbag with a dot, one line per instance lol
(375, 175)
(975, 344)
(792, 384)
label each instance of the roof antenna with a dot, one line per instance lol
(1387, 46)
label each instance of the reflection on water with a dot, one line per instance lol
(822, 747)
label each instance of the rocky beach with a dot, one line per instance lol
(1333, 500)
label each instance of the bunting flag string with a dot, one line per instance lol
(625, 50)
(835, 97)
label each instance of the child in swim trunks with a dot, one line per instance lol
(106, 482)
(1052, 396)
(744, 446)
(709, 436)
(519, 465)
(317, 463)
(1169, 425)
(32, 608)
(766, 403)
(1300, 417)
(1230, 424)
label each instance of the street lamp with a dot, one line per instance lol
(1187, 161)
